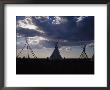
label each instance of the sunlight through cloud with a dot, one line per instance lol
(35, 40)
(27, 23)
(59, 20)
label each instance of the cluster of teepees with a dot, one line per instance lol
(55, 55)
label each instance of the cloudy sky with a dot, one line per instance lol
(41, 32)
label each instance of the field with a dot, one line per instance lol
(47, 66)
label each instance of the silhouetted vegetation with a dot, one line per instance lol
(48, 66)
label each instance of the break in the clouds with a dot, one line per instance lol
(80, 18)
(28, 24)
(68, 30)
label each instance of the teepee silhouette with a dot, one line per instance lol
(28, 49)
(56, 54)
(83, 55)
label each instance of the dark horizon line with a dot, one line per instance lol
(49, 58)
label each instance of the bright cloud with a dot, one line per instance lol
(36, 39)
(91, 45)
(54, 20)
(59, 20)
(42, 18)
(65, 48)
(81, 18)
(27, 23)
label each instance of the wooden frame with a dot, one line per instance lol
(2, 57)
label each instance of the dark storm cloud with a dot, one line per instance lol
(74, 29)
(55, 31)
(70, 30)
(27, 32)
(19, 18)
(86, 29)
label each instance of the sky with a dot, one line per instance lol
(42, 32)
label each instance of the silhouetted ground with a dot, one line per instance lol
(46, 66)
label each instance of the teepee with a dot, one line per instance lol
(56, 54)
